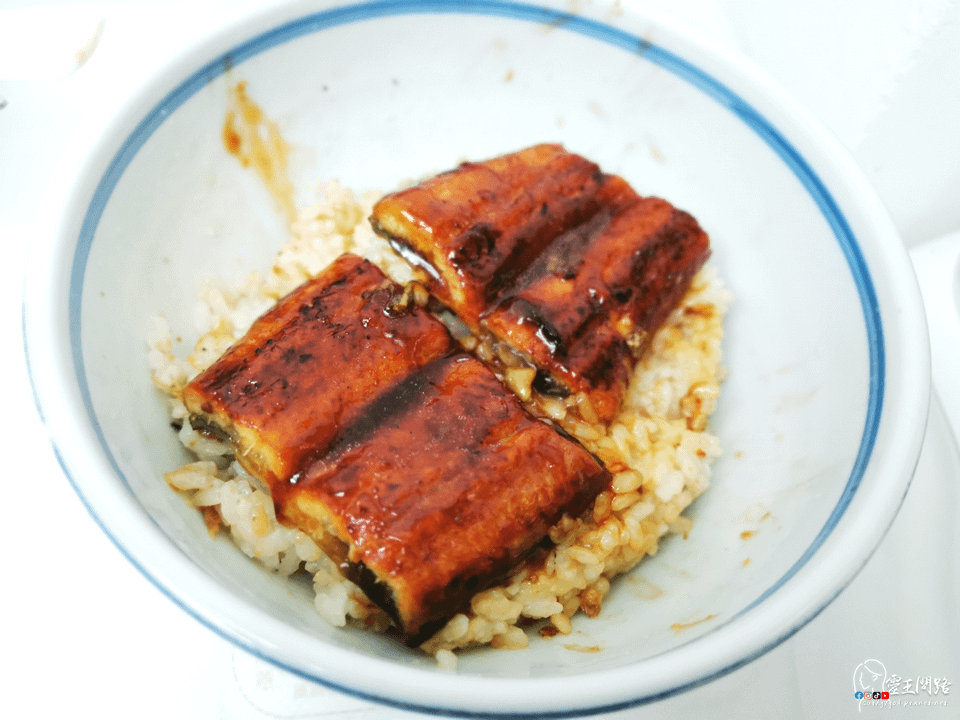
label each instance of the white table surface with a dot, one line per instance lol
(87, 634)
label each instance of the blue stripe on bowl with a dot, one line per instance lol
(606, 34)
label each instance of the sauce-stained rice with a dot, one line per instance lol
(658, 448)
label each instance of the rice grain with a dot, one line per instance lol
(659, 447)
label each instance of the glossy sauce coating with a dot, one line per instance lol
(586, 310)
(479, 226)
(441, 489)
(310, 364)
(569, 266)
(408, 463)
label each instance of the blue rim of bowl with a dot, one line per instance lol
(597, 30)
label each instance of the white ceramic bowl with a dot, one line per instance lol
(821, 418)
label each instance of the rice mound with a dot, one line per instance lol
(658, 448)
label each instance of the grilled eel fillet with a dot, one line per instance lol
(309, 364)
(567, 265)
(444, 487)
(408, 462)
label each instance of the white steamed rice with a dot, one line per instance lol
(658, 448)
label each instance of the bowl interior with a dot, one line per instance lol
(379, 95)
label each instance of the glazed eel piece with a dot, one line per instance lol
(408, 462)
(309, 364)
(444, 487)
(542, 251)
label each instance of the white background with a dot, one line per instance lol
(86, 634)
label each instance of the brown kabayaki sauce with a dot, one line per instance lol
(309, 364)
(482, 224)
(406, 460)
(587, 308)
(573, 270)
(255, 140)
(440, 490)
